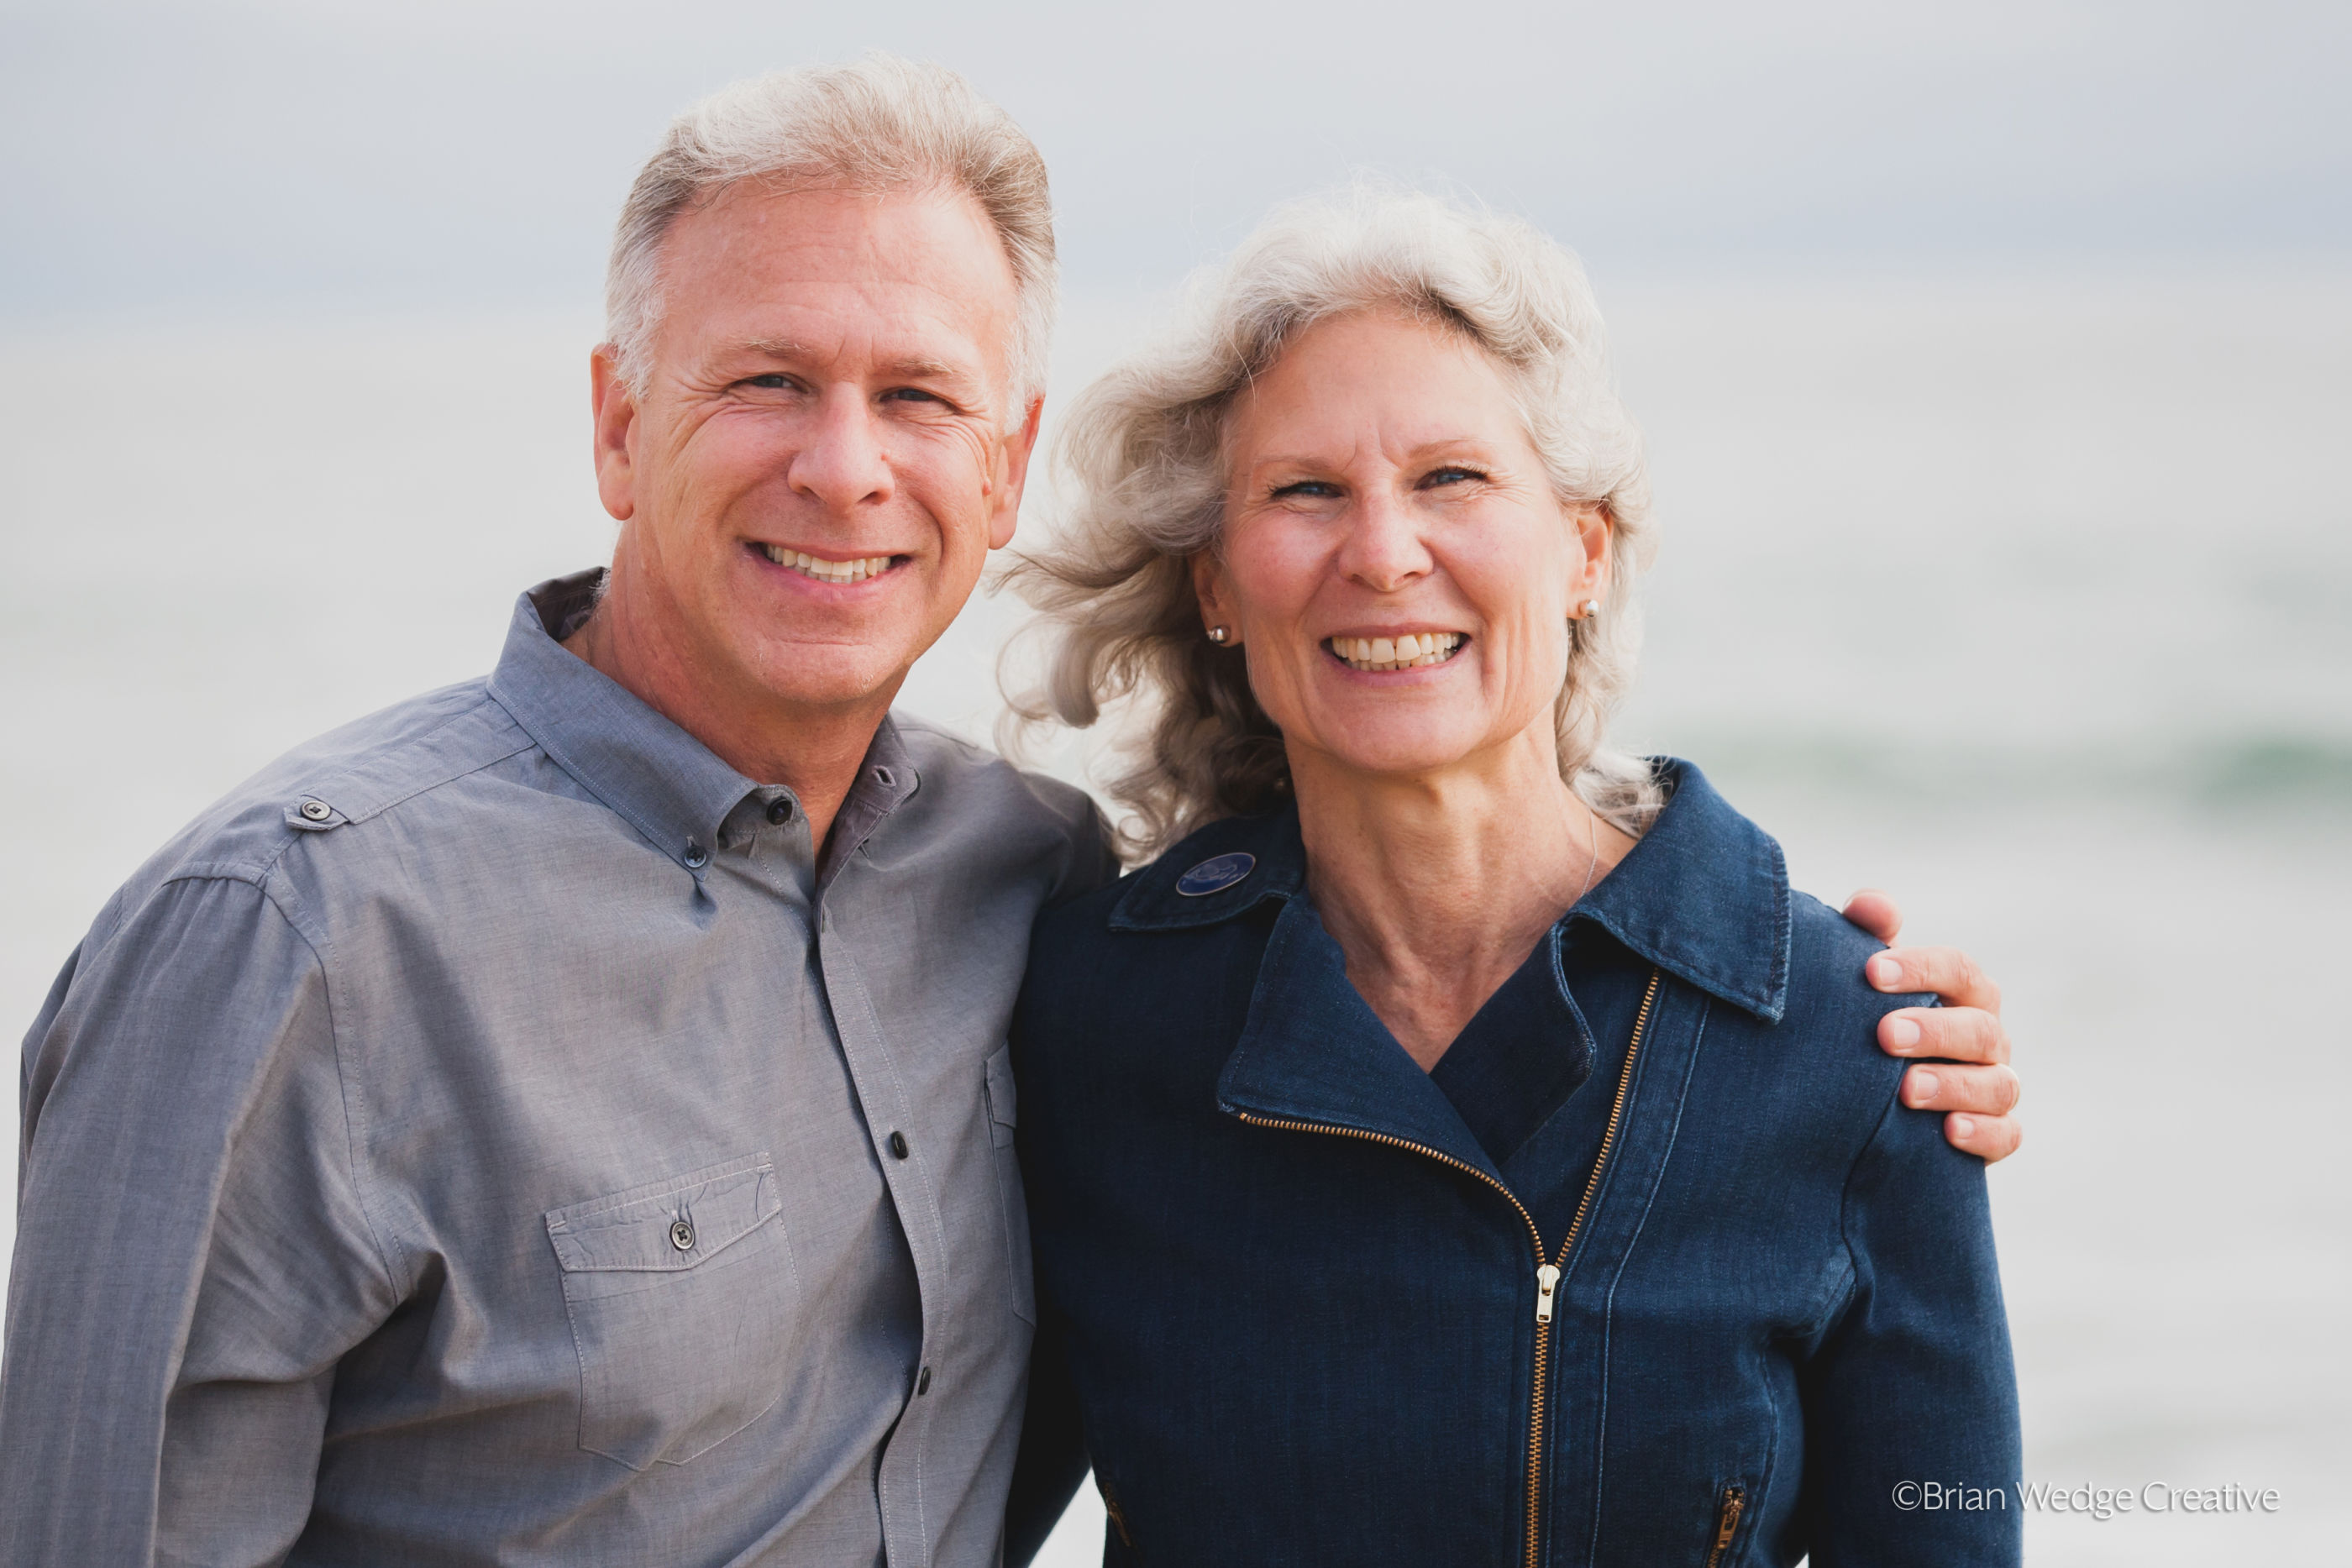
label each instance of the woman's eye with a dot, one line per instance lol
(1312, 489)
(1450, 475)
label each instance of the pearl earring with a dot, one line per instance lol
(1591, 608)
(1217, 635)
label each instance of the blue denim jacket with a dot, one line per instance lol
(1308, 1321)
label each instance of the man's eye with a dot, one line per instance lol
(774, 381)
(912, 394)
(1452, 474)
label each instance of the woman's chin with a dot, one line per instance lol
(1401, 753)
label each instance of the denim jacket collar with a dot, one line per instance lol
(658, 778)
(1704, 895)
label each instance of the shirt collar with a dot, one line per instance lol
(1704, 895)
(660, 779)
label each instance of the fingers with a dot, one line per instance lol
(1875, 912)
(1947, 971)
(1957, 1034)
(1991, 1091)
(1979, 1105)
(1991, 1138)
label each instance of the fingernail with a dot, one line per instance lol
(1964, 1126)
(1885, 973)
(1923, 1086)
(1901, 1033)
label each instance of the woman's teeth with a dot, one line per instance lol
(825, 570)
(1407, 653)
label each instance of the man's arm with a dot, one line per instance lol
(191, 1256)
(1971, 1081)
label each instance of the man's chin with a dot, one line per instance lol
(831, 675)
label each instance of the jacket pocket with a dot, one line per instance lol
(681, 1294)
(1730, 1510)
(1004, 1120)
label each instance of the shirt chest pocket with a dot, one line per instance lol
(681, 1294)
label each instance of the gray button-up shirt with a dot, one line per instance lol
(491, 1135)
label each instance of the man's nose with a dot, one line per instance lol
(842, 463)
(1384, 550)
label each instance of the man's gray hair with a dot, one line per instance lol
(882, 124)
(1144, 453)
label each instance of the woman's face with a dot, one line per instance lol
(1383, 489)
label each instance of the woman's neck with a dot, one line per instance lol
(1437, 886)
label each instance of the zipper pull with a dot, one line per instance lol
(1547, 1280)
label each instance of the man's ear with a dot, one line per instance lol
(614, 410)
(1005, 513)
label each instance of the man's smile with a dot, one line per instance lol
(857, 569)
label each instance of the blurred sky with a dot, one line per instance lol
(272, 154)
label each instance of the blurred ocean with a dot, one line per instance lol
(2028, 598)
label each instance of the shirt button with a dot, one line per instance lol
(681, 1235)
(922, 1383)
(316, 811)
(697, 857)
(898, 1144)
(780, 812)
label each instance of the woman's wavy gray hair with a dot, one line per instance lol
(1144, 455)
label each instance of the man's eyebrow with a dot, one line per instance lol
(929, 370)
(913, 367)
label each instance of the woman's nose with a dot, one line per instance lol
(840, 464)
(1384, 550)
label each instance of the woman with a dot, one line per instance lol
(1460, 1146)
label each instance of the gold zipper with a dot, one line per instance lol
(1547, 1274)
(1727, 1524)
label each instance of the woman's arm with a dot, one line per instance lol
(1971, 1081)
(1911, 1427)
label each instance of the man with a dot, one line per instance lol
(564, 1118)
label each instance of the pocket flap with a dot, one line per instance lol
(1004, 1107)
(667, 1225)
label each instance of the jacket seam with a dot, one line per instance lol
(1845, 1192)
(1633, 1244)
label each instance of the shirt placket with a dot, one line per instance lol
(902, 1152)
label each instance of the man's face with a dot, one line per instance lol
(822, 453)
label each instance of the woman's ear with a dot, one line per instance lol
(1596, 530)
(1208, 586)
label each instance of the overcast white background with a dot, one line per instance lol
(1996, 360)
(433, 152)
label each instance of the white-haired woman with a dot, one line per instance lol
(1460, 1145)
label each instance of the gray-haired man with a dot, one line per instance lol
(564, 1118)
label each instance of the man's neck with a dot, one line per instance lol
(813, 751)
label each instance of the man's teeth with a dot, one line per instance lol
(1406, 653)
(825, 570)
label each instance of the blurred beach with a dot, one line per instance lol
(2025, 595)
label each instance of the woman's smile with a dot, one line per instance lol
(1400, 650)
